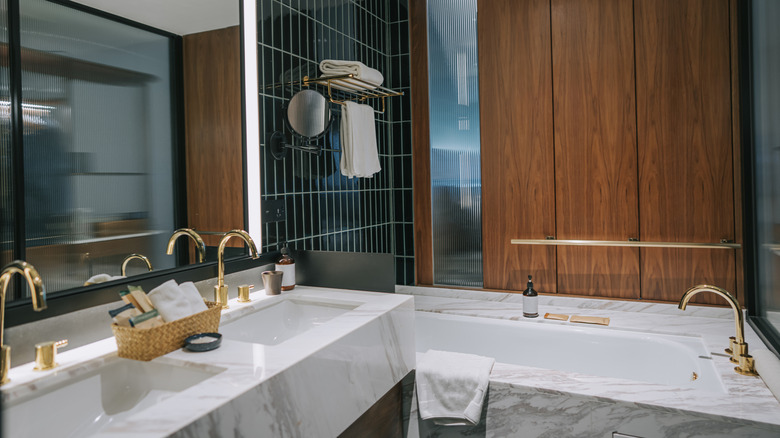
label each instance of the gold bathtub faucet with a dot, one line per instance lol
(738, 348)
(38, 292)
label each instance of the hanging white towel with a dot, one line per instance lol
(332, 67)
(451, 387)
(359, 155)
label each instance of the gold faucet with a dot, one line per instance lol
(221, 289)
(38, 291)
(199, 244)
(738, 348)
(135, 256)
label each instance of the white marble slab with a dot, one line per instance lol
(315, 384)
(747, 404)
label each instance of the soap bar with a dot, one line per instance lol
(590, 320)
(556, 316)
(140, 296)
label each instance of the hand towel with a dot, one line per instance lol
(332, 67)
(101, 278)
(172, 302)
(359, 155)
(192, 295)
(451, 387)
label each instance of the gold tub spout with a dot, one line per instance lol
(221, 289)
(738, 348)
(199, 244)
(127, 259)
(38, 291)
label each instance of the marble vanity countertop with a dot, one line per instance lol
(259, 388)
(747, 400)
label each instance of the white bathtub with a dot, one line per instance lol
(607, 352)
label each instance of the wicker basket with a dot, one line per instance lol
(148, 343)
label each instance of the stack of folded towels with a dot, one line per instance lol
(359, 155)
(165, 303)
(333, 67)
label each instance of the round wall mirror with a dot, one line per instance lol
(308, 114)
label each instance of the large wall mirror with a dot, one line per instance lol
(107, 112)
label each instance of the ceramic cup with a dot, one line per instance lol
(272, 281)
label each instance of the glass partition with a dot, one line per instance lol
(456, 182)
(6, 167)
(765, 131)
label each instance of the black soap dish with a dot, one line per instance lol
(203, 342)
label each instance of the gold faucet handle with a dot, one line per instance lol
(46, 353)
(746, 366)
(243, 293)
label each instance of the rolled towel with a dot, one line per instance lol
(359, 154)
(451, 387)
(192, 295)
(102, 278)
(171, 301)
(768, 367)
(332, 67)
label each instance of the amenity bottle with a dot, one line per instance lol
(286, 264)
(530, 300)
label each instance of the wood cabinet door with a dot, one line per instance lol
(518, 198)
(595, 145)
(686, 191)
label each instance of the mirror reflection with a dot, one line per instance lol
(98, 136)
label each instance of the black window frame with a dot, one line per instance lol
(766, 331)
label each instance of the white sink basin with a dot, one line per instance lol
(284, 320)
(81, 404)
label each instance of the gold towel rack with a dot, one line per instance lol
(626, 243)
(353, 89)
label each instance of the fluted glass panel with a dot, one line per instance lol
(766, 131)
(6, 170)
(456, 184)
(97, 144)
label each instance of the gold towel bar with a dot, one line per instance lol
(621, 243)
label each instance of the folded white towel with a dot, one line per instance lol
(451, 387)
(101, 278)
(174, 302)
(359, 155)
(332, 67)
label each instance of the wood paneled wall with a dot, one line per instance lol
(686, 173)
(421, 144)
(595, 145)
(213, 133)
(516, 118)
(601, 120)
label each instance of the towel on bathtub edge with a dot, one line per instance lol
(451, 387)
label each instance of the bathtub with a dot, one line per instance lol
(679, 361)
